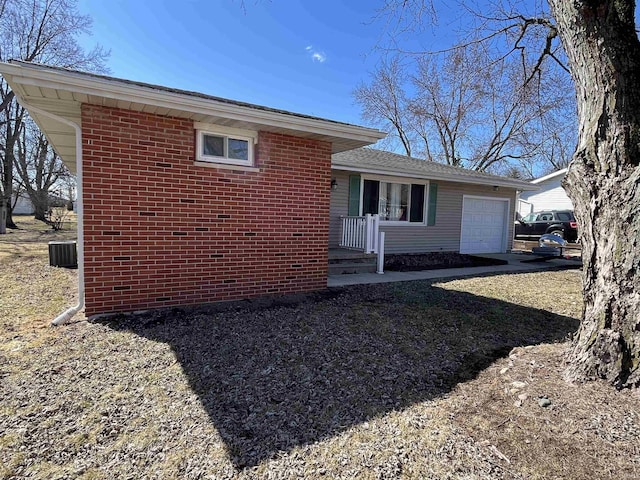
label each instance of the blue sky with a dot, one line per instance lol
(302, 56)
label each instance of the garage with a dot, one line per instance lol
(484, 225)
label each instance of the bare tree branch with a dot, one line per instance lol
(44, 31)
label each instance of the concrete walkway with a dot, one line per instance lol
(515, 264)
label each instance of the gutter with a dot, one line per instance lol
(70, 312)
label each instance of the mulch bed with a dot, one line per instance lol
(435, 261)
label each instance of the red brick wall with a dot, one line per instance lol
(160, 231)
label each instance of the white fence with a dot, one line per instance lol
(360, 233)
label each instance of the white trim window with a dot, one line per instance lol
(230, 146)
(395, 200)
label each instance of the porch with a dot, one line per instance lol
(360, 248)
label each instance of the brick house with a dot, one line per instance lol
(187, 198)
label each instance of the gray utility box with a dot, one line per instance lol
(63, 254)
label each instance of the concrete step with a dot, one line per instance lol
(337, 254)
(344, 267)
(363, 260)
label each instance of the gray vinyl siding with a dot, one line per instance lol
(442, 237)
(339, 205)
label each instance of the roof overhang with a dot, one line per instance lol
(62, 92)
(493, 182)
(559, 173)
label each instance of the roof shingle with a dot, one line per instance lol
(387, 163)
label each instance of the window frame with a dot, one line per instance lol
(226, 133)
(405, 181)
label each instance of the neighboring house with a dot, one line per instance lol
(187, 198)
(424, 206)
(551, 195)
(23, 205)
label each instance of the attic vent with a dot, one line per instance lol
(63, 254)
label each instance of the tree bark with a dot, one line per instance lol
(13, 115)
(3, 219)
(6, 219)
(603, 182)
(7, 188)
(40, 211)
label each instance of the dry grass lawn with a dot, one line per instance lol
(410, 381)
(32, 292)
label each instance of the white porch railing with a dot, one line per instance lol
(360, 233)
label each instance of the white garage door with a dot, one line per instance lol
(483, 225)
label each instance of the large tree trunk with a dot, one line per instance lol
(40, 211)
(40, 201)
(603, 182)
(3, 219)
(6, 214)
(9, 140)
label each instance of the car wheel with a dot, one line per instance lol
(559, 233)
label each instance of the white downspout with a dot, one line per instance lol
(69, 313)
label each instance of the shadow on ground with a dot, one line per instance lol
(276, 376)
